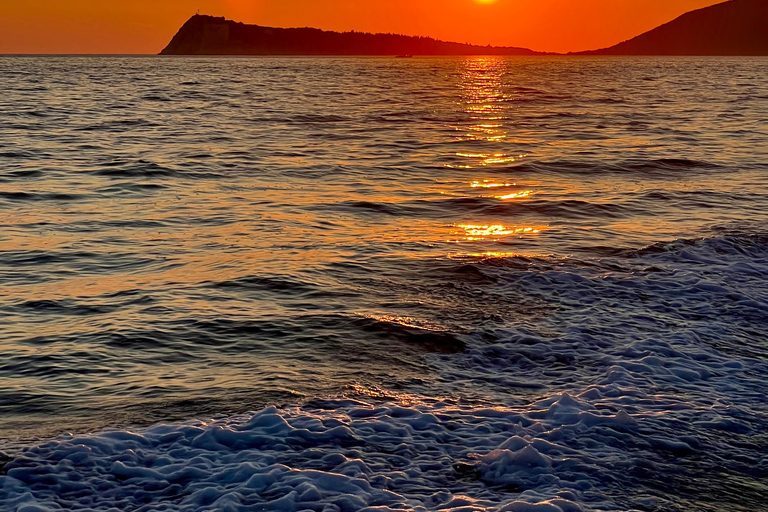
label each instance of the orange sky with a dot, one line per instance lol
(145, 26)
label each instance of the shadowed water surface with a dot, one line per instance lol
(186, 238)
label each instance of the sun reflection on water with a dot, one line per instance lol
(489, 184)
(493, 184)
(494, 232)
(407, 321)
(486, 159)
(522, 194)
(375, 392)
(490, 255)
(486, 103)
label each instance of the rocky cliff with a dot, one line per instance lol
(738, 27)
(207, 35)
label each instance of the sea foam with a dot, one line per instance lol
(647, 382)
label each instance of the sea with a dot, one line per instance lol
(526, 284)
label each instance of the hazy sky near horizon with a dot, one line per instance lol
(146, 26)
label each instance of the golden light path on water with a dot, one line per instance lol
(494, 232)
(486, 104)
(489, 184)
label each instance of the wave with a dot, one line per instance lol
(17, 154)
(118, 125)
(80, 261)
(137, 169)
(338, 335)
(316, 119)
(41, 196)
(561, 453)
(448, 207)
(21, 174)
(58, 307)
(651, 168)
(646, 372)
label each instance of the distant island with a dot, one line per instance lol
(207, 35)
(736, 27)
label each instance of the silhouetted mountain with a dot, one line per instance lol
(738, 27)
(207, 35)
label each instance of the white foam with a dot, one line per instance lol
(640, 383)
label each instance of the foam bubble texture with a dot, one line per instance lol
(644, 390)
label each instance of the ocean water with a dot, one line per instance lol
(524, 284)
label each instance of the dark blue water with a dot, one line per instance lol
(578, 244)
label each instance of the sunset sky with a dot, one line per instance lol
(145, 26)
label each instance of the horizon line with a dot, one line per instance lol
(580, 55)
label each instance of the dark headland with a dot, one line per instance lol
(207, 35)
(737, 27)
